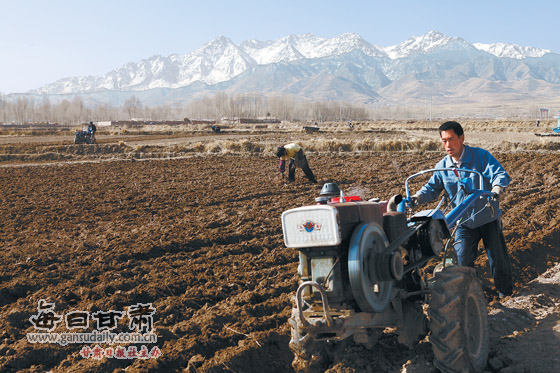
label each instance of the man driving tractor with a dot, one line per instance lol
(483, 222)
(92, 128)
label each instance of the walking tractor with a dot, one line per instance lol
(84, 137)
(363, 267)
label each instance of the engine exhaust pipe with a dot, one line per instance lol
(394, 202)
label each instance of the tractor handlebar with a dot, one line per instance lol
(455, 170)
(453, 216)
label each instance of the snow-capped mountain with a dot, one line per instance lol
(214, 62)
(420, 44)
(511, 50)
(296, 47)
(303, 64)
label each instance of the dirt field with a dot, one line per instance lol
(199, 238)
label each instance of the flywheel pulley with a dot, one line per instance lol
(368, 240)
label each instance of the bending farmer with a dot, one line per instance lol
(481, 222)
(297, 158)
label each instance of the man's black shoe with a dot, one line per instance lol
(503, 295)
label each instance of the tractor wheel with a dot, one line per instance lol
(458, 321)
(311, 355)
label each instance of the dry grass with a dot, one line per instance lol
(500, 125)
(365, 137)
(242, 147)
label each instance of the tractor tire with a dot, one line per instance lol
(310, 355)
(458, 321)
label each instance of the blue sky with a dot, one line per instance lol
(42, 41)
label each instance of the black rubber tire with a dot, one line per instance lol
(458, 321)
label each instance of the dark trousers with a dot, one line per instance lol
(300, 160)
(466, 246)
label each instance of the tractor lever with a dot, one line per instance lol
(456, 173)
(461, 183)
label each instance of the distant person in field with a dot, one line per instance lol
(294, 153)
(91, 128)
(482, 222)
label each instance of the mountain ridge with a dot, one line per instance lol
(355, 69)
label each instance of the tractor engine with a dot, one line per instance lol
(355, 250)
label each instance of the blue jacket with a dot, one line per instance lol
(473, 159)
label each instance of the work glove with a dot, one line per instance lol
(497, 192)
(418, 199)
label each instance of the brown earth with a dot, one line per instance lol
(200, 239)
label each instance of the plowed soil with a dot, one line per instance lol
(200, 239)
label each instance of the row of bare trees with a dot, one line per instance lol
(25, 109)
(285, 107)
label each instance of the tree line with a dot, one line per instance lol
(25, 109)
